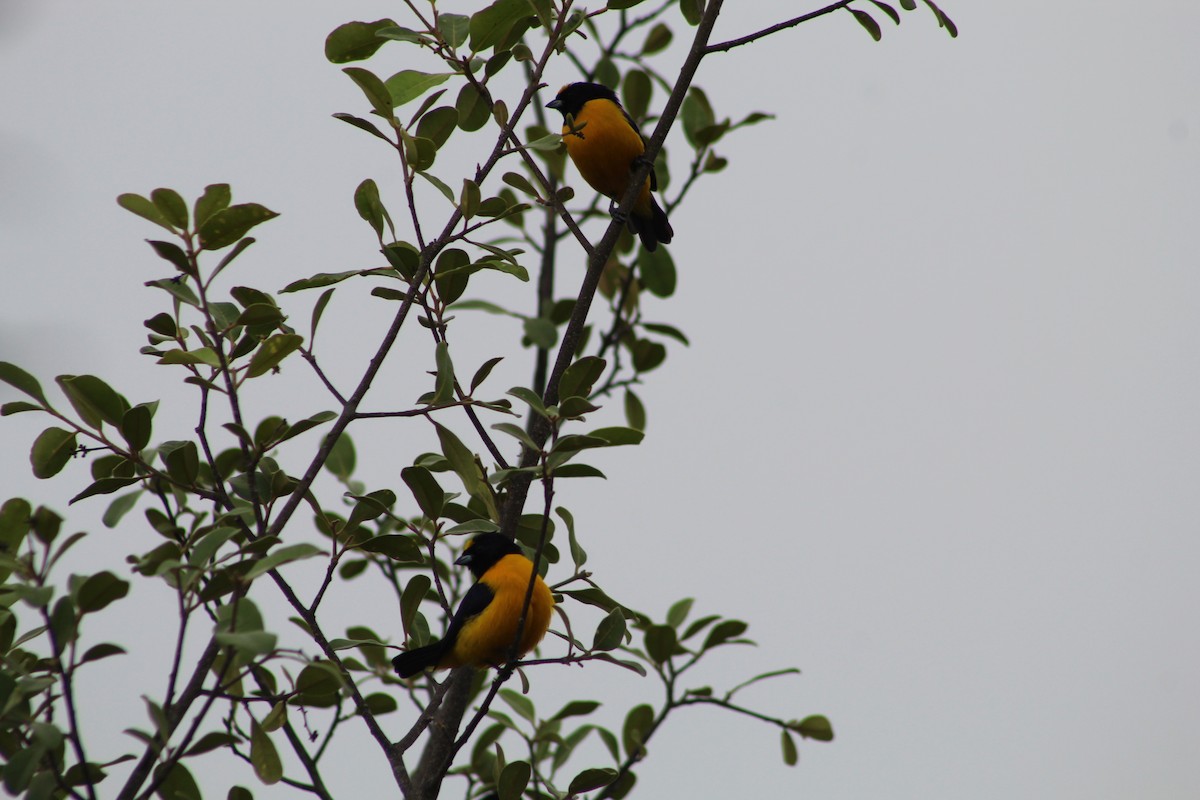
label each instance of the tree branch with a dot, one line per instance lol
(791, 23)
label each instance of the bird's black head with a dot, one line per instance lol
(483, 551)
(571, 97)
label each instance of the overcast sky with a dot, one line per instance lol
(935, 437)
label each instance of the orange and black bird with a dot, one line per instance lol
(605, 144)
(484, 627)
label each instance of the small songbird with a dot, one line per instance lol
(605, 144)
(484, 627)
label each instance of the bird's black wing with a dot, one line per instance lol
(477, 598)
(411, 662)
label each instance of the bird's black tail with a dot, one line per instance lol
(411, 662)
(653, 229)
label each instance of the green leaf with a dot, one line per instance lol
(868, 22)
(660, 643)
(228, 225)
(520, 183)
(438, 124)
(341, 461)
(576, 708)
(468, 198)
(51, 451)
(136, 425)
(216, 197)
(637, 726)
(119, 507)
(463, 462)
(177, 289)
(280, 556)
(647, 355)
(454, 28)
(615, 436)
(482, 373)
(697, 626)
(15, 518)
(248, 643)
(518, 433)
(494, 23)
(263, 755)
(395, 546)
(540, 332)
(472, 526)
(169, 251)
(657, 40)
(425, 490)
(513, 780)
(678, 612)
(409, 84)
(579, 378)
(379, 703)
(399, 33)
(17, 406)
(182, 460)
(376, 93)
(790, 756)
(102, 650)
(104, 486)
(362, 125)
(885, 8)
(201, 355)
(578, 555)
(943, 20)
(320, 279)
(592, 778)
(93, 399)
(370, 506)
(657, 270)
(272, 351)
(21, 380)
(145, 209)
(99, 590)
(636, 91)
(697, 114)
(667, 330)
(815, 726)
(692, 10)
(171, 206)
(519, 703)
(176, 784)
(723, 632)
(610, 633)
(355, 41)
(410, 599)
(635, 412)
(444, 384)
(371, 209)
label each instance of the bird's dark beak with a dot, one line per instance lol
(464, 560)
(556, 104)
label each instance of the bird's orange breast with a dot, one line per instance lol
(485, 639)
(604, 150)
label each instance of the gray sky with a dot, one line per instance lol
(944, 347)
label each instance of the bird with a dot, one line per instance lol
(605, 144)
(484, 626)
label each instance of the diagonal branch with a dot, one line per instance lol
(791, 23)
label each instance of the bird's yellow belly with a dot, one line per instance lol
(604, 150)
(491, 633)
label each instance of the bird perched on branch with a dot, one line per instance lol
(484, 627)
(606, 145)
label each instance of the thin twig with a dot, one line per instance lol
(791, 23)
